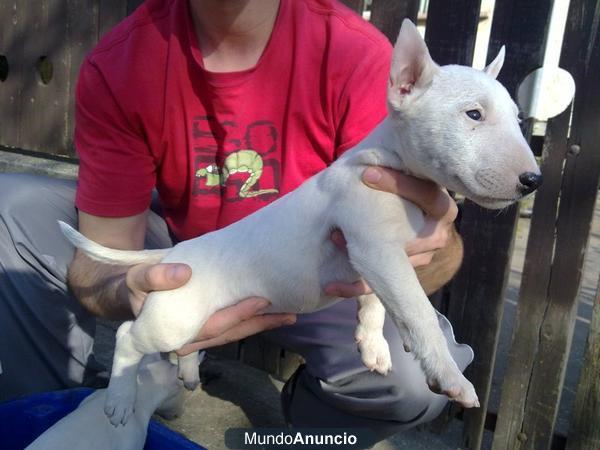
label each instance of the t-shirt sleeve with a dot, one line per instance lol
(362, 104)
(117, 171)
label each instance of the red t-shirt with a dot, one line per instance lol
(219, 146)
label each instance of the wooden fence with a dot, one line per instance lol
(42, 44)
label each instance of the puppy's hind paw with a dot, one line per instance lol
(190, 376)
(192, 384)
(188, 371)
(118, 410)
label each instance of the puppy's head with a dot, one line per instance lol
(459, 126)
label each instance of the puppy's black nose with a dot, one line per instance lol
(530, 181)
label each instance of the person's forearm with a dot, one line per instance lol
(100, 288)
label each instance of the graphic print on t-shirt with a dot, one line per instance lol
(234, 166)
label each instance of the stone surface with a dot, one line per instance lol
(16, 162)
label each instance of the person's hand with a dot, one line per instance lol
(439, 209)
(227, 325)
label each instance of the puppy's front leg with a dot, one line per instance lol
(374, 349)
(385, 266)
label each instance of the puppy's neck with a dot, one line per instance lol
(384, 147)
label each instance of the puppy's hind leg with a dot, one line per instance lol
(374, 349)
(188, 370)
(122, 387)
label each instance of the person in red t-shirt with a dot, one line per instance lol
(222, 106)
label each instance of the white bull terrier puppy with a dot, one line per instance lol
(454, 125)
(158, 386)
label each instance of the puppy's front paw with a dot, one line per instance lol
(456, 387)
(118, 407)
(374, 351)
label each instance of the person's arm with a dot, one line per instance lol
(101, 288)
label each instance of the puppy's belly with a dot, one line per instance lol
(306, 293)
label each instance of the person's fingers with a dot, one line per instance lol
(433, 200)
(337, 237)
(252, 326)
(347, 290)
(433, 236)
(157, 277)
(421, 259)
(227, 318)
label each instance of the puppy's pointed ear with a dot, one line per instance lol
(493, 69)
(412, 67)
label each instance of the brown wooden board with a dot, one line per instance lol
(451, 30)
(477, 294)
(536, 275)
(12, 28)
(356, 5)
(450, 35)
(132, 5)
(44, 80)
(585, 429)
(82, 17)
(531, 393)
(110, 12)
(263, 354)
(387, 15)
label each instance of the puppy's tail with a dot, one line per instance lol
(109, 255)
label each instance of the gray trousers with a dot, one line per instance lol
(47, 339)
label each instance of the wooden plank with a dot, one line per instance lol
(229, 351)
(387, 15)
(12, 30)
(450, 34)
(82, 25)
(477, 294)
(45, 95)
(110, 13)
(356, 5)
(451, 30)
(585, 432)
(533, 383)
(132, 5)
(263, 354)
(535, 279)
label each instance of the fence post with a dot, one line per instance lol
(585, 432)
(387, 15)
(356, 5)
(477, 293)
(451, 30)
(547, 305)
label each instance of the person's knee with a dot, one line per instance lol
(414, 404)
(399, 400)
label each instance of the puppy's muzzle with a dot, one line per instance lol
(530, 181)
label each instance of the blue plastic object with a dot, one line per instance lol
(24, 419)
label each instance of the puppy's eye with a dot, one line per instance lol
(474, 114)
